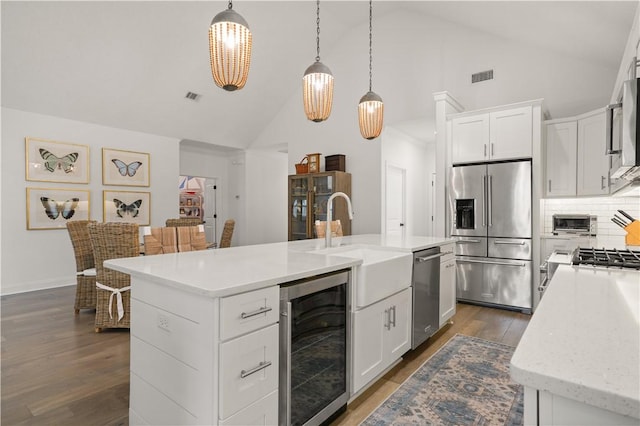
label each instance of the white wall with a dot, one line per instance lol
(401, 150)
(38, 259)
(266, 197)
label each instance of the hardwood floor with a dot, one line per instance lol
(57, 371)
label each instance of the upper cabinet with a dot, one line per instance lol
(561, 148)
(496, 135)
(576, 163)
(593, 164)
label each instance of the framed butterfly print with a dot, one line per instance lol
(127, 206)
(125, 168)
(52, 161)
(51, 208)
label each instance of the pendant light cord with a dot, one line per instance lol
(370, 43)
(230, 4)
(317, 30)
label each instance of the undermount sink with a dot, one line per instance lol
(381, 274)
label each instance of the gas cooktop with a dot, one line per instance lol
(628, 259)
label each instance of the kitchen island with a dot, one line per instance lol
(204, 326)
(579, 358)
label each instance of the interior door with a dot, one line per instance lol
(210, 210)
(395, 200)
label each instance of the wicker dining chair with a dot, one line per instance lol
(159, 240)
(191, 238)
(227, 233)
(113, 241)
(85, 265)
(321, 228)
(184, 221)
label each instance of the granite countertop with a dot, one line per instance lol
(224, 272)
(583, 342)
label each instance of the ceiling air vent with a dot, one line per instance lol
(482, 76)
(192, 96)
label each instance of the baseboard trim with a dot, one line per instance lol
(16, 288)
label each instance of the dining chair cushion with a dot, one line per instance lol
(91, 272)
(159, 240)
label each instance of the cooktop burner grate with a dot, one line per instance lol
(607, 257)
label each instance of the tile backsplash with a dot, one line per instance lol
(610, 235)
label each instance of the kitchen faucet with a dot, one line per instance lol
(327, 232)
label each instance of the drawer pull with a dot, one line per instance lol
(511, 243)
(261, 366)
(244, 315)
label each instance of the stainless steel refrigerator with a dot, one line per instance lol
(490, 206)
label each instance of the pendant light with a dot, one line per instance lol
(370, 108)
(229, 49)
(317, 84)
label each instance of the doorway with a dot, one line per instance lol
(206, 189)
(395, 198)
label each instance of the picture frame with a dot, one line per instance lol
(54, 161)
(126, 207)
(125, 168)
(52, 208)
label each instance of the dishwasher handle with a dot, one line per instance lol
(428, 258)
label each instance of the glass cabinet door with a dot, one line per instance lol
(323, 187)
(298, 209)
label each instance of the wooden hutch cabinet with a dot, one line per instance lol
(308, 196)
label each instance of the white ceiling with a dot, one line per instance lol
(130, 64)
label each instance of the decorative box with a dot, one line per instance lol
(335, 162)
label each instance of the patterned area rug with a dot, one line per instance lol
(466, 382)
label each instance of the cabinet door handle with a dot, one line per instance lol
(492, 149)
(485, 150)
(602, 182)
(549, 191)
(450, 265)
(261, 366)
(244, 315)
(394, 316)
(387, 324)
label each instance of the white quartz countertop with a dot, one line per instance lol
(583, 341)
(224, 272)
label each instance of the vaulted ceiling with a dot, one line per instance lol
(130, 64)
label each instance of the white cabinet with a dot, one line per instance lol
(198, 360)
(576, 163)
(382, 334)
(470, 138)
(545, 408)
(511, 133)
(447, 284)
(593, 164)
(497, 135)
(561, 151)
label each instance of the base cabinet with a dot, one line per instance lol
(381, 335)
(447, 284)
(545, 408)
(198, 360)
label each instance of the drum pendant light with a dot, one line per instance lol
(317, 83)
(229, 49)
(370, 108)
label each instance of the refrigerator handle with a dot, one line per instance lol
(490, 199)
(484, 200)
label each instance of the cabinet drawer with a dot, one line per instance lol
(247, 312)
(245, 375)
(263, 412)
(449, 252)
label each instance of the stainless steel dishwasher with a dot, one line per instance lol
(426, 294)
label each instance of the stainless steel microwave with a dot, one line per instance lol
(622, 134)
